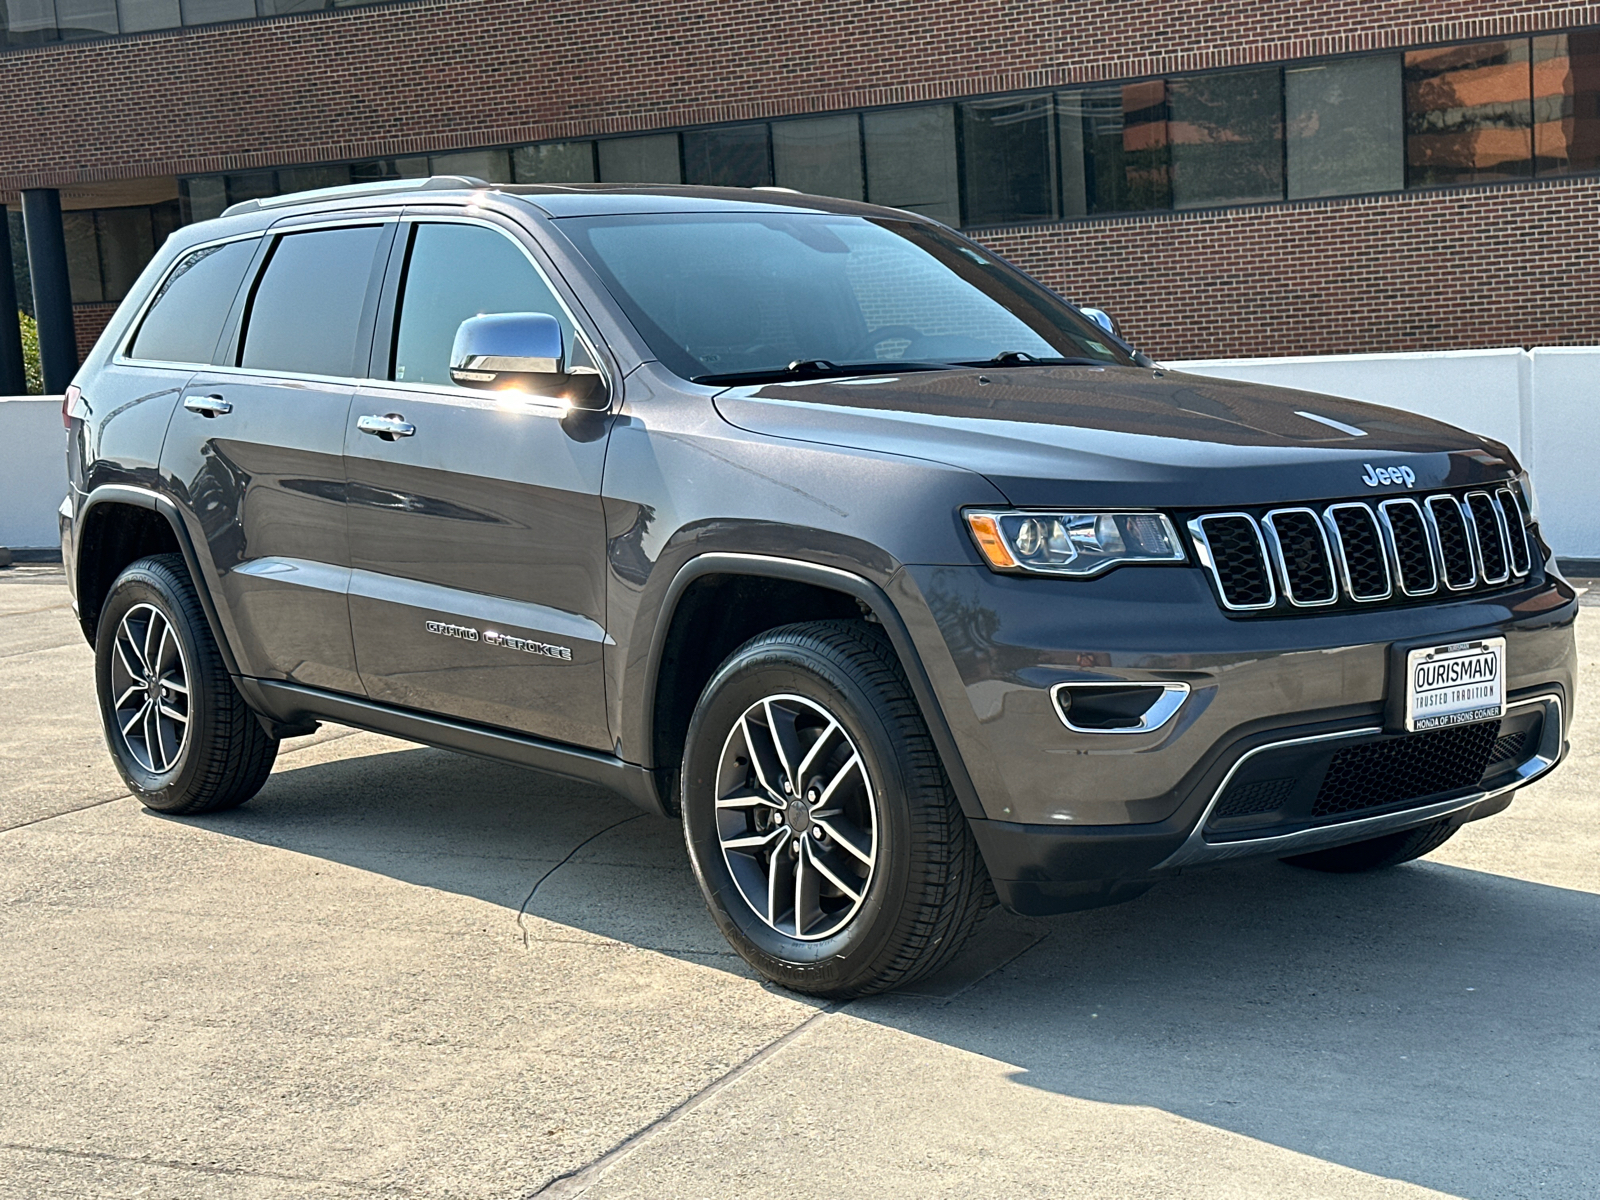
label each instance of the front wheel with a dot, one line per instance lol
(822, 828)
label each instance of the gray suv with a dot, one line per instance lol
(906, 584)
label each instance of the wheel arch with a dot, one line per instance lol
(119, 524)
(682, 659)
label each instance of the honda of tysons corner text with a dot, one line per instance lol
(906, 585)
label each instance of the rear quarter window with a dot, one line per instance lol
(305, 317)
(185, 319)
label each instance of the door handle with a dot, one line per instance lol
(388, 427)
(208, 406)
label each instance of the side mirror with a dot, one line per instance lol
(522, 352)
(1103, 319)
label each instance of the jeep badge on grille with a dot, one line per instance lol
(1378, 476)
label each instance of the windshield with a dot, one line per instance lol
(742, 297)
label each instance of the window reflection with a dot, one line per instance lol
(820, 155)
(1010, 160)
(1114, 149)
(1345, 127)
(1468, 113)
(911, 161)
(733, 156)
(1226, 138)
(1566, 102)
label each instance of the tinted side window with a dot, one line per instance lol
(185, 319)
(455, 272)
(307, 308)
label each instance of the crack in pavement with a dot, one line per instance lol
(577, 1182)
(522, 912)
(208, 1169)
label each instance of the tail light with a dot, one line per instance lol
(67, 401)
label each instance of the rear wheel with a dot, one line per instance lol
(1390, 850)
(826, 838)
(182, 737)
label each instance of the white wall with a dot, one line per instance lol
(33, 471)
(1544, 405)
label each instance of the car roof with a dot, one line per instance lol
(577, 199)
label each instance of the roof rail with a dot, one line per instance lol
(433, 183)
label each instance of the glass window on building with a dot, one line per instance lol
(86, 18)
(140, 15)
(378, 170)
(911, 160)
(1114, 152)
(306, 179)
(19, 262)
(83, 257)
(127, 243)
(733, 156)
(554, 162)
(491, 166)
(207, 12)
(1468, 113)
(819, 155)
(1566, 103)
(1226, 134)
(277, 8)
(649, 159)
(29, 22)
(1009, 160)
(1345, 129)
(254, 185)
(307, 308)
(203, 197)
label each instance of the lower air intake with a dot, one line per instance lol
(1406, 768)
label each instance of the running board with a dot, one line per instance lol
(293, 704)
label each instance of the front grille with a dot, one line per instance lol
(1356, 553)
(1410, 768)
(1507, 748)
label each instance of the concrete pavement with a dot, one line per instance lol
(402, 972)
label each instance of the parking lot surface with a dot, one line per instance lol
(401, 972)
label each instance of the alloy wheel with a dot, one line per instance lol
(150, 680)
(797, 817)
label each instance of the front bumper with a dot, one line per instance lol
(1074, 819)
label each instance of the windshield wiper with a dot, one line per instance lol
(1020, 358)
(818, 368)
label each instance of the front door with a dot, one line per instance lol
(256, 449)
(477, 537)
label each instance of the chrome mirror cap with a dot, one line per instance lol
(1101, 318)
(509, 350)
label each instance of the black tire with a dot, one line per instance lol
(224, 754)
(1375, 854)
(920, 899)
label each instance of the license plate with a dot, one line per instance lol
(1456, 684)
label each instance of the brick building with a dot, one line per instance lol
(1263, 178)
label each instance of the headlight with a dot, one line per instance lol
(1529, 500)
(1072, 543)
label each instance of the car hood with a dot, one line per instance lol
(1096, 436)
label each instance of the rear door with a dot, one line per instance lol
(477, 538)
(257, 444)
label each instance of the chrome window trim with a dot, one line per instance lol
(1512, 519)
(120, 356)
(1203, 549)
(1339, 555)
(1277, 558)
(1477, 547)
(1196, 849)
(1438, 540)
(1387, 526)
(1158, 714)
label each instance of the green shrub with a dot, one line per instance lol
(30, 355)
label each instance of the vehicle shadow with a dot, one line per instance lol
(1430, 1024)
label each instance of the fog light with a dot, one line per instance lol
(1120, 707)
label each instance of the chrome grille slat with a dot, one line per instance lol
(1488, 532)
(1516, 531)
(1365, 551)
(1300, 551)
(1359, 550)
(1411, 551)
